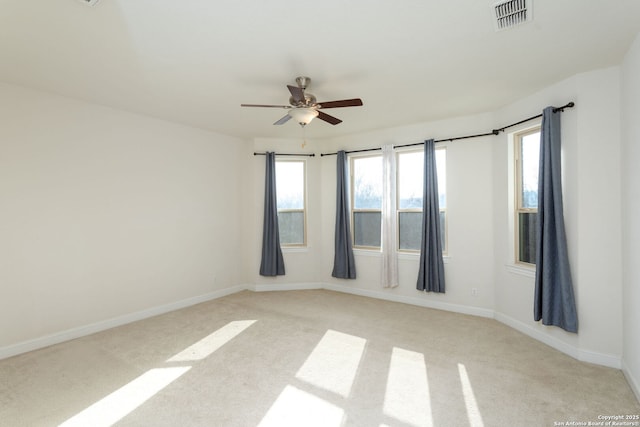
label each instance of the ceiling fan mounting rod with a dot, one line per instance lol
(303, 82)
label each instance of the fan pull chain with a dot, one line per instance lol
(304, 136)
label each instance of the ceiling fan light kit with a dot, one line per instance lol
(303, 106)
(303, 115)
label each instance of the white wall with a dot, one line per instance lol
(469, 208)
(631, 213)
(591, 150)
(105, 213)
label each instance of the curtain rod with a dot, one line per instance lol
(555, 110)
(287, 154)
(352, 151)
(493, 132)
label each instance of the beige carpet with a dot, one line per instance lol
(307, 358)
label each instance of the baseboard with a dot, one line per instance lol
(81, 331)
(634, 383)
(603, 359)
(284, 287)
(582, 355)
(608, 360)
(456, 308)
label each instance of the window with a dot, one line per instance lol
(290, 189)
(410, 170)
(366, 201)
(527, 156)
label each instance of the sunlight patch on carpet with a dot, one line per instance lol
(126, 399)
(333, 363)
(407, 397)
(295, 408)
(121, 402)
(473, 412)
(209, 344)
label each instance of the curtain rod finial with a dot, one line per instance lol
(561, 109)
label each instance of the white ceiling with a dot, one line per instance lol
(195, 61)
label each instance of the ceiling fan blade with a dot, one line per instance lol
(283, 120)
(265, 106)
(296, 93)
(356, 102)
(329, 119)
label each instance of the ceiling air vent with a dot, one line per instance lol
(510, 13)
(89, 2)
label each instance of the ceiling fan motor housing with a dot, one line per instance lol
(309, 100)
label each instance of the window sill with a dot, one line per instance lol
(521, 270)
(368, 252)
(415, 256)
(408, 255)
(294, 249)
(401, 255)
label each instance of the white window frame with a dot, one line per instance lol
(304, 208)
(445, 238)
(517, 180)
(353, 210)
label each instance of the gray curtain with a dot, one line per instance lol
(344, 265)
(554, 302)
(272, 263)
(431, 273)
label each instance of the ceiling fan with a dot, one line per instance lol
(304, 106)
